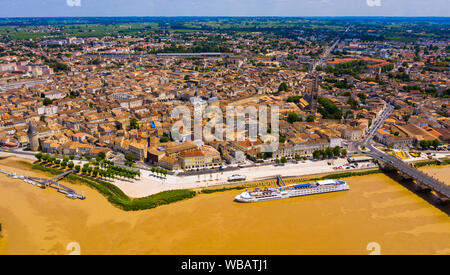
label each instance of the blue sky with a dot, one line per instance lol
(51, 8)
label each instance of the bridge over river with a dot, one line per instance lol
(407, 170)
(424, 180)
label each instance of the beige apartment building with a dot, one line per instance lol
(205, 157)
(139, 150)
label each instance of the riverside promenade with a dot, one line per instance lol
(150, 184)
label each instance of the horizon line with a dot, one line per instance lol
(230, 16)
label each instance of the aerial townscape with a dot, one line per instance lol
(89, 105)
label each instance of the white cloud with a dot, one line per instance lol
(73, 3)
(373, 3)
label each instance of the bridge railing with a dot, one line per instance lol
(419, 176)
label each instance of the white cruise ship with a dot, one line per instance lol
(294, 190)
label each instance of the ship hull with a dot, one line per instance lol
(291, 194)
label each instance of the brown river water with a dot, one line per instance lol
(376, 209)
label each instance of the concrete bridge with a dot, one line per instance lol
(425, 181)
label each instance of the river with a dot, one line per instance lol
(376, 209)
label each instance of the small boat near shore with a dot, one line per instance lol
(294, 190)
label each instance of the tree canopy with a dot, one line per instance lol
(328, 109)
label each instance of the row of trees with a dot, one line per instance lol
(282, 160)
(285, 160)
(47, 158)
(97, 171)
(100, 167)
(425, 144)
(112, 169)
(40, 156)
(159, 171)
(329, 153)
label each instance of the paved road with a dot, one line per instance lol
(16, 151)
(377, 124)
(324, 58)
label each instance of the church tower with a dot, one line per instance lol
(314, 94)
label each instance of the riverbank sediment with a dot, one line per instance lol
(378, 207)
(118, 198)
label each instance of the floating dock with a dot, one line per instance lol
(52, 183)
